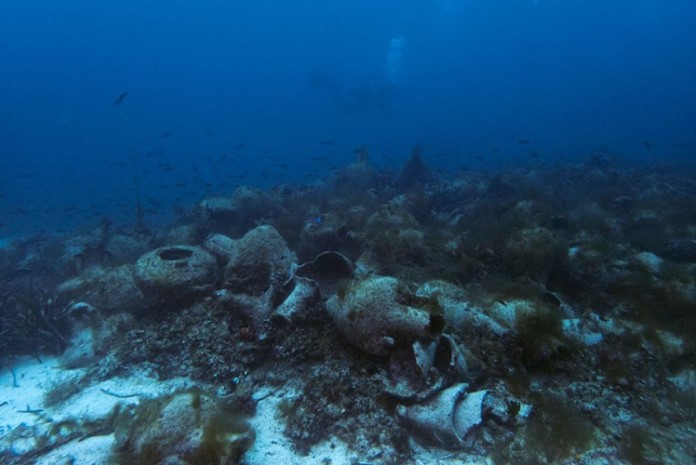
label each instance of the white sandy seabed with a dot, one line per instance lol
(24, 381)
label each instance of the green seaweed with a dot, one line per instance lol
(556, 432)
(558, 429)
(343, 288)
(287, 407)
(639, 447)
(539, 334)
(63, 389)
(226, 433)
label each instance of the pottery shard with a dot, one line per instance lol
(447, 418)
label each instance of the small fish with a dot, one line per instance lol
(314, 220)
(647, 145)
(326, 142)
(524, 141)
(120, 98)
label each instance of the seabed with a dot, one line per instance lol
(536, 316)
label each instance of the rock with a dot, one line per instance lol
(581, 331)
(507, 312)
(185, 234)
(531, 251)
(217, 208)
(85, 254)
(184, 427)
(682, 249)
(125, 249)
(414, 172)
(392, 215)
(252, 204)
(685, 381)
(111, 291)
(649, 261)
(672, 347)
(356, 177)
(380, 313)
(242, 211)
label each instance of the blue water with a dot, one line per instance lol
(262, 92)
